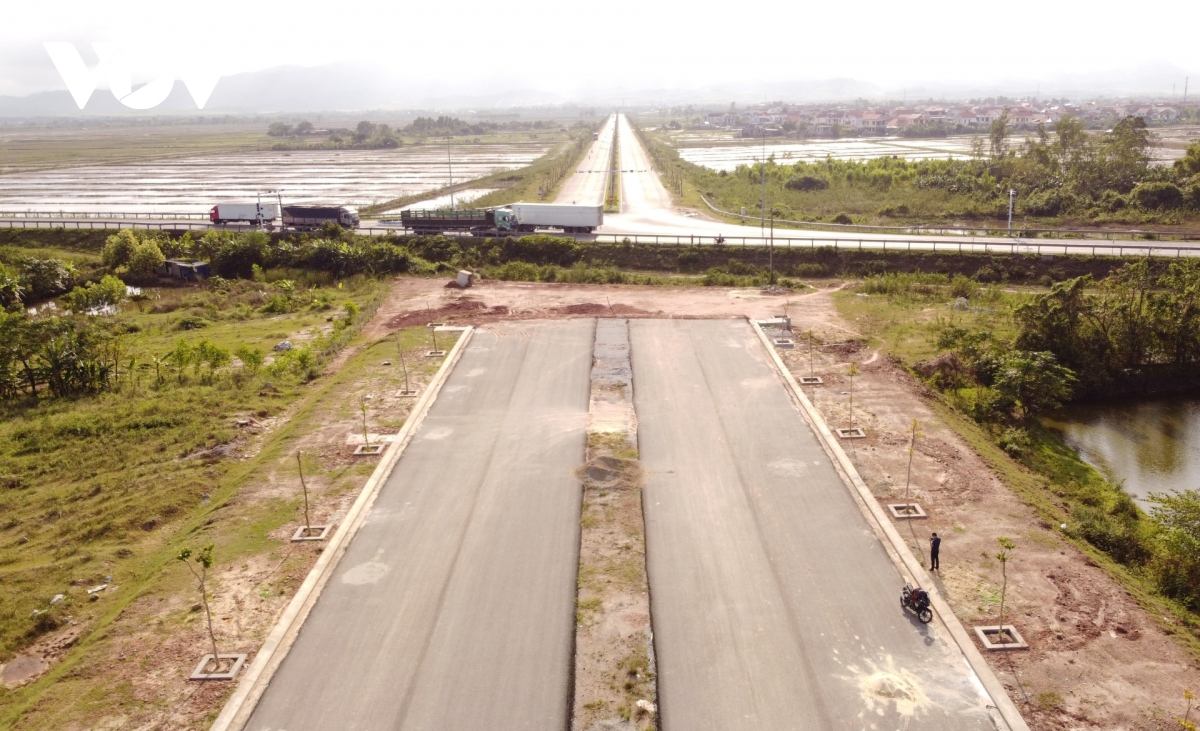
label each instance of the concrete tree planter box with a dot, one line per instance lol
(906, 511)
(436, 324)
(855, 433)
(784, 343)
(407, 392)
(237, 661)
(368, 450)
(435, 353)
(990, 636)
(311, 533)
(811, 381)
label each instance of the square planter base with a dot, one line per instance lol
(368, 450)
(199, 673)
(784, 343)
(435, 353)
(906, 511)
(855, 433)
(311, 533)
(407, 392)
(811, 381)
(989, 636)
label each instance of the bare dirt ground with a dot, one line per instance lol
(1097, 659)
(615, 677)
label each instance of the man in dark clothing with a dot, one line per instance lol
(935, 545)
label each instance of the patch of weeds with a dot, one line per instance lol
(585, 609)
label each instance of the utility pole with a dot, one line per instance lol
(771, 255)
(1185, 85)
(258, 209)
(762, 223)
(1012, 195)
(450, 167)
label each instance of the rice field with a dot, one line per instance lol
(194, 184)
(728, 155)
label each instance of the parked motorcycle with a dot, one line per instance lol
(917, 600)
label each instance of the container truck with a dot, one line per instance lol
(243, 212)
(515, 219)
(311, 218)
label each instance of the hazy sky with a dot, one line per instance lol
(567, 46)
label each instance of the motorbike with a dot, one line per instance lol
(917, 600)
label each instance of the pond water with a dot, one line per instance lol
(193, 185)
(1150, 445)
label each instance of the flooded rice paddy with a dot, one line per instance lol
(460, 199)
(727, 154)
(193, 185)
(1149, 445)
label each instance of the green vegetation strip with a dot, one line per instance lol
(1070, 177)
(1006, 359)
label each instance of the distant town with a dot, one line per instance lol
(935, 120)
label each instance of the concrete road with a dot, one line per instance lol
(641, 188)
(454, 607)
(587, 185)
(774, 605)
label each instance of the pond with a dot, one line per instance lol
(1148, 445)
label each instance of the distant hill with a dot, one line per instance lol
(352, 87)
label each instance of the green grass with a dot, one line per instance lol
(1048, 476)
(96, 479)
(81, 688)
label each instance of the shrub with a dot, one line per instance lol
(1051, 202)
(118, 248)
(1156, 196)
(806, 183)
(108, 291)
(843, 219)
(962, 286)
(145, 262)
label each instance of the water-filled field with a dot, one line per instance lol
(728, 154)
(193, 185)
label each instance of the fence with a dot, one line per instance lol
(948, 244)
(1027, 233)
(87, 215)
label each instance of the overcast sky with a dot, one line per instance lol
(566, 46)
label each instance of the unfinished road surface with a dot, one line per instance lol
(454, 607)
(774, 605)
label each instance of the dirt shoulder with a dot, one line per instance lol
(1097, 659)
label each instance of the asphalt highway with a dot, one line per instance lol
(774, 605)
(454, 606)
(588, 183)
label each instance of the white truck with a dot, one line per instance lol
(230, 212)
(570, 218)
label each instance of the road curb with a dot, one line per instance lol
(274, 649)
(908, 563)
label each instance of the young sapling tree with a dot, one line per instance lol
(203, 559)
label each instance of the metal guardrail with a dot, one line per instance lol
(960, 246)
(1069, 233)
(59, 215)
(1015, 246)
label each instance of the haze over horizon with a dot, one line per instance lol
(536, 51)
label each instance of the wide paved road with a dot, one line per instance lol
(454, 607)
(588, 183)
(774, 605)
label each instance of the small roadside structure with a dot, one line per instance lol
(465, 279)
(189, 270)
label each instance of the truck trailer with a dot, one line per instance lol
(243, 213)
(311, 218)
(516, 219)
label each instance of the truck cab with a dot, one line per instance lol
(348, 217)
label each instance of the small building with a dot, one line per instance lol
(190, 270)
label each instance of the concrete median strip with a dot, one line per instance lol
(908, 564)
(258, 675)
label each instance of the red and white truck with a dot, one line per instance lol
(244, 213)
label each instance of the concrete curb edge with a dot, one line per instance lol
(874, 513)
(267, 660)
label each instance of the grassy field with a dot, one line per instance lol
(44, 148)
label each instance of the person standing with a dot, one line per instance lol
(935, 545)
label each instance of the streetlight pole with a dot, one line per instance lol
(1012, 195)
(762, 223)
(450, 167)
